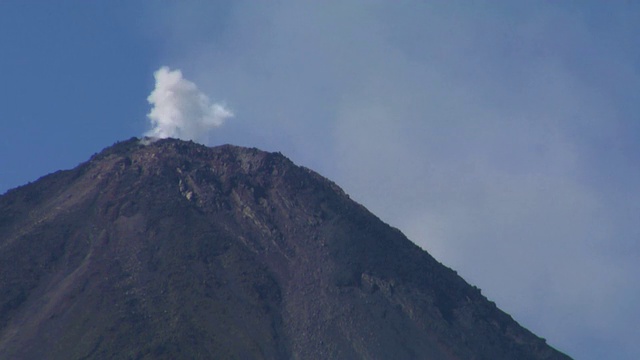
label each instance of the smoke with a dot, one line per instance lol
(181, 110)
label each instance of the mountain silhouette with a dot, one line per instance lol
(175, 250)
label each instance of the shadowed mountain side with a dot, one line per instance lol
(177, 250)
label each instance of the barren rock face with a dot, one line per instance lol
(176, 250)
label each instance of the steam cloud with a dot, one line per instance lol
(180, 109)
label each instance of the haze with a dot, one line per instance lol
(500, 137)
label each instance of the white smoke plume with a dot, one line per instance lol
(181, 110)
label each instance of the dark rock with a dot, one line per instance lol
(176, 250)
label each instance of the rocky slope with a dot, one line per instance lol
(176, 250)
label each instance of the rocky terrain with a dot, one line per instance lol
(176, 250)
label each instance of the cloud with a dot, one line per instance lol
(180, 110)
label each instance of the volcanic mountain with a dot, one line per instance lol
(176, 250)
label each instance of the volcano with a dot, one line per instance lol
(175, 250)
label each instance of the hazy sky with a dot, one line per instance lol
(503, 137)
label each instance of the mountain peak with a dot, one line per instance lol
(173, 249)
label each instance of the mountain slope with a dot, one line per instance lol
(177, 250)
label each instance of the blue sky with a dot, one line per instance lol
(502, 137)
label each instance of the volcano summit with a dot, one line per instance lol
(177, 250)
